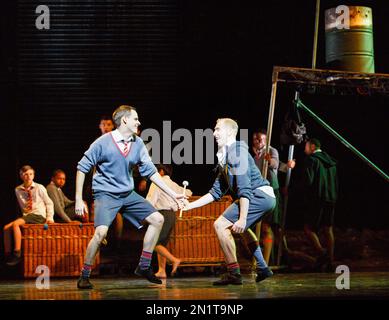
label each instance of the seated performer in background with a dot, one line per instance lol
(36, 207)
(167, 207)
(64, 208)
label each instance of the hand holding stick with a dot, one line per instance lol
(185, 184)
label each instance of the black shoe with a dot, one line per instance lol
(13, 261)
(148, 274)
(229, 278)
(84, 283)
(262, 274)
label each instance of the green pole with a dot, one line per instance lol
(341, 139)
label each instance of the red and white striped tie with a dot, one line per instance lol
(29, 200)
(125, 150)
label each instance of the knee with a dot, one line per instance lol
(100, 233)
(217, 225)
(158, 220)
(220, 227)
(15, 225)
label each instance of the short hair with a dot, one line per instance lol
(232, 124)
(262, 131)
(106, 118)
(166, 168)
(55, 172)
(120, 112)
(25, 168)
(314, 141)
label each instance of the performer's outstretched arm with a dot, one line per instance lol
(157, 179)
(208, 198)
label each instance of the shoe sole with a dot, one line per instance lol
(84, 288)
(262, 279)
(88, 287)
(141, 275)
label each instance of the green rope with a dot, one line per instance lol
(299, 104)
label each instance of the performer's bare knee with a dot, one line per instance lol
(221, 225)
(100, 233)
(156, 219)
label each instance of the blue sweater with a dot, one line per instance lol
(243, 175)
(113, 170)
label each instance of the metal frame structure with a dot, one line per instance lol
(336, 82)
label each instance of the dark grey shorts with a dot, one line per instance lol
(168, 226)
(34, 219)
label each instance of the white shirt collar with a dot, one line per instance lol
(318, 150)
(31, 187)
(221, 153)
(118, 137)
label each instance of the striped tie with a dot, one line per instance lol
(29, 200)
(125, 151)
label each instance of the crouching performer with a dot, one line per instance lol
(114, 155)
(239, 176)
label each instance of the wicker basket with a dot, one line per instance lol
(61, 247)
(194, 240)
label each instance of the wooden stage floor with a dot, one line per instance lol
(370, 285)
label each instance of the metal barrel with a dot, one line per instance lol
(349, 38)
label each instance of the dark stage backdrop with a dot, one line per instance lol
(189, 62)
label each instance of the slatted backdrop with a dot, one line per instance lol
(95, 56)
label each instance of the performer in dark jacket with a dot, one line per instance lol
(320, 194)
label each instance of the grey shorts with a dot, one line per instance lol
(259, 204)
(131, 205)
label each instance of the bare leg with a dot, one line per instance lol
(314, 239)
(161, 267)
(257, 235)
(155, 221)
(94, 244)
(162, 251)
(227, 243)
(118, 228)
(330, 242)
(267, 241)
(7, 238)
(17, 233)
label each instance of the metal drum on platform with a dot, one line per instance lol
(349, 39)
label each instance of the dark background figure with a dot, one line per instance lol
(320, 195)
(64, 211)
(105, 125)
(270, 225)
(168, 208)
